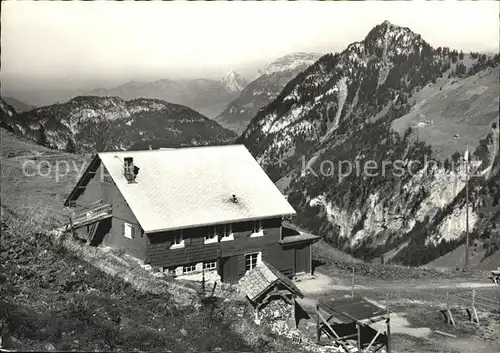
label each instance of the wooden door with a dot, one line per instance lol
(229, 269)
(302, 259)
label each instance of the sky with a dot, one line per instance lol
(74, 44)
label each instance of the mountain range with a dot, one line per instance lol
(91, 123)
(314, 122)
(17, 105)
(209, 97)
(263, 90)
(390, 98)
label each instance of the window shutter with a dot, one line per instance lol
(133, 231)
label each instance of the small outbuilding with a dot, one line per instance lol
(264, 285)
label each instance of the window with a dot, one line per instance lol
(257, 226)
(227, 232)
(210, 266)
(257, 229)
(170, 271)
(188, 269)
(106, 177)
(251, 260)
(128, 231)
(178, 240)
(211, 236)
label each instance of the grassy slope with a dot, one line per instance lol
(47, 193)
(456, 257)
(54, 295)
(492, 262)
(466, 107)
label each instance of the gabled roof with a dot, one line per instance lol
(261, 278)
(189, 187)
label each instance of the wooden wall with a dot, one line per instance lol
(100, 188)
(160, 254)
(122, 213)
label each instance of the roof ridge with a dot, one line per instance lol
(167, 149)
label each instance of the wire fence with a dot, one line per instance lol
(456, 304)
(487, 299)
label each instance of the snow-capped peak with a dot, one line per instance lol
(233, 81)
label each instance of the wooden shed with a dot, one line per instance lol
(264, 284)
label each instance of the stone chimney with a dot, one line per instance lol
(128, 169)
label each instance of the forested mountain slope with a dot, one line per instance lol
(91, 123)
(351, 140)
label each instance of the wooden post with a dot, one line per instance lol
(389, 343)
(473, 304)
(352, 287)
(448, 311)
(318, 328)
(466, 266)
(498, 301)
(388, 323)
(358, 328)
(474, 311)
(294, 312)
(203, 280)
(336, 337)
(373, 341)
(310, 261)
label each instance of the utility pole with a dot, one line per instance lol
(466, 158)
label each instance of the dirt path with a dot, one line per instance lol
(322, 284)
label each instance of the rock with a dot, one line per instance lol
(49, 347)
(183, 332)
(10, 342)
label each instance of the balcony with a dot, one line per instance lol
(91, 214)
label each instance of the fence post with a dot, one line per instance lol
(388, 323)
(358, 328)
(318, 327)
(352, 286)
(499, 302)
(474, 311)
(448, 311)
